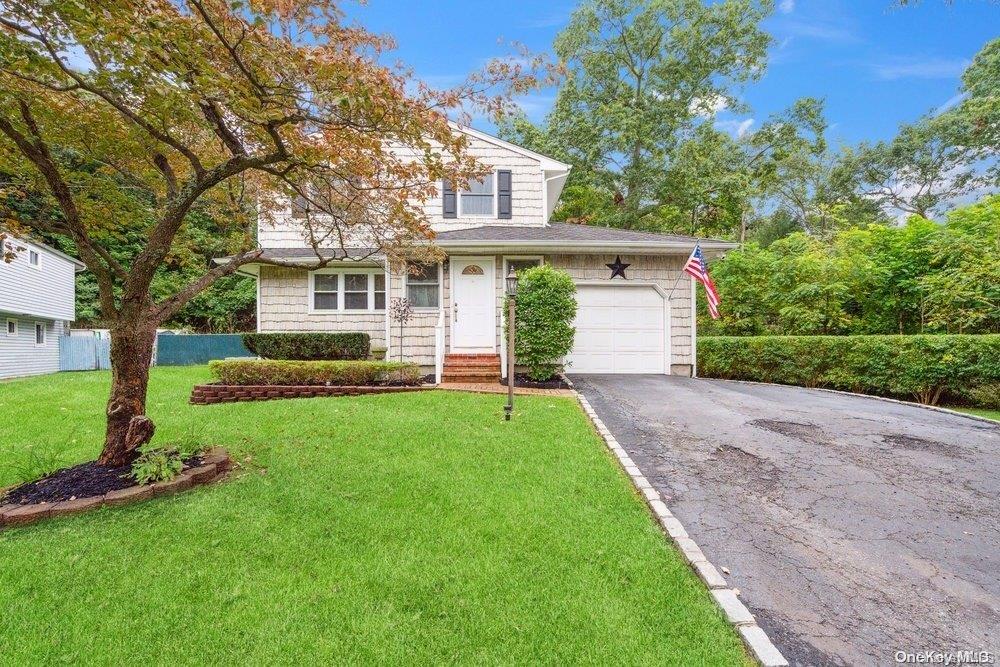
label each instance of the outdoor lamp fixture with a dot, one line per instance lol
(511, 298)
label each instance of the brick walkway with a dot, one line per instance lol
(497, 388)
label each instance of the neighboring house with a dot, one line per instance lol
(37, 305)
(639, 324)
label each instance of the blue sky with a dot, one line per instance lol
(875, 65)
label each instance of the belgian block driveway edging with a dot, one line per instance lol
(726, 598)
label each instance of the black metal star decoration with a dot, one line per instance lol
(617, 268)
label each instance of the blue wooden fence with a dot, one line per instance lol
(84, 353)
(190, 349)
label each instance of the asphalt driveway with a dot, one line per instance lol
(854, 528)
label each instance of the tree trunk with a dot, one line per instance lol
(128, 428)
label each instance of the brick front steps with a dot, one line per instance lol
(474, 368)
(215, 464)
(205, 394)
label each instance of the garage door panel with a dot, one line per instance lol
(619, 330)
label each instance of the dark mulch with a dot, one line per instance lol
(522, 380)
(79, 481)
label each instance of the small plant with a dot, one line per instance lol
(36, 465)
(157, 465)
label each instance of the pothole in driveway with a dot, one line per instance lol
(741, 467)
(915, 444)
(806, 432)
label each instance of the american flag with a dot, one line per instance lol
(697, 269)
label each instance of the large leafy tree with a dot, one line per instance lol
(213, 107)
(939, 159)
(641, 74)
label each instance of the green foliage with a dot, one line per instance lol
(331, 373)
(986, 395)
(641, 74)
(922, 367)
(157, 465)
(309, 346)
(544, 312)
(923, 277)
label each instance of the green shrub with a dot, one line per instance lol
(333, 373)
(544, 312)
(309, 346)
(983, 396)
(157, 465)
(922, 367)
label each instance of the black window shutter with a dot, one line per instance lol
(504, 210)
(449, 203)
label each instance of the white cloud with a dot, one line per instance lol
(952, 102)
(914, 68)
(824, 31)
(709, 106)
(737, 128)
(535, 106)
(786, 6)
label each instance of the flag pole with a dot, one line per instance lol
(681, 273)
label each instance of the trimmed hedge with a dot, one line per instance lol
(922, 367)
(311, 373)
(309, 346)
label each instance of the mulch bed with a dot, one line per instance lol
(522, 380)
(79, 481)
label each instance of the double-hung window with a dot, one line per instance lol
(34, 258)
(347, 290)
(478, 199)
(488, 197)
(39, 333)
(11, 327)
(422, 286)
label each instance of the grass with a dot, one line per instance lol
(416, 528)
(982, 412)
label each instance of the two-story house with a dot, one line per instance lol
(640, 323)
(37, 305)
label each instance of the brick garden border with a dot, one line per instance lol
(205, 394)
(760, 645)
(215, 464)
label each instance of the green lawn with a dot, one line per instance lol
(416, 528)
(990, 414)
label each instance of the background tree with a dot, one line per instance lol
(212, 107)
(640, 76)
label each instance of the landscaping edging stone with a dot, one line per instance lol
(727, 599)
(206, 394)
(215, 464)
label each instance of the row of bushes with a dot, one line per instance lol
(922, 367)
(309, 346)
(330, 373)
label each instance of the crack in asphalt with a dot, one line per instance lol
(853, 527)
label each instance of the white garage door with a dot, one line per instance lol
(618, 330)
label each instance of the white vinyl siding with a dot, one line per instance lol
(45, 291)
(19, 354)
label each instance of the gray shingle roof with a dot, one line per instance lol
(569, 233)
(310, 254)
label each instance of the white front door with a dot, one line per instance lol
(473, 304)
